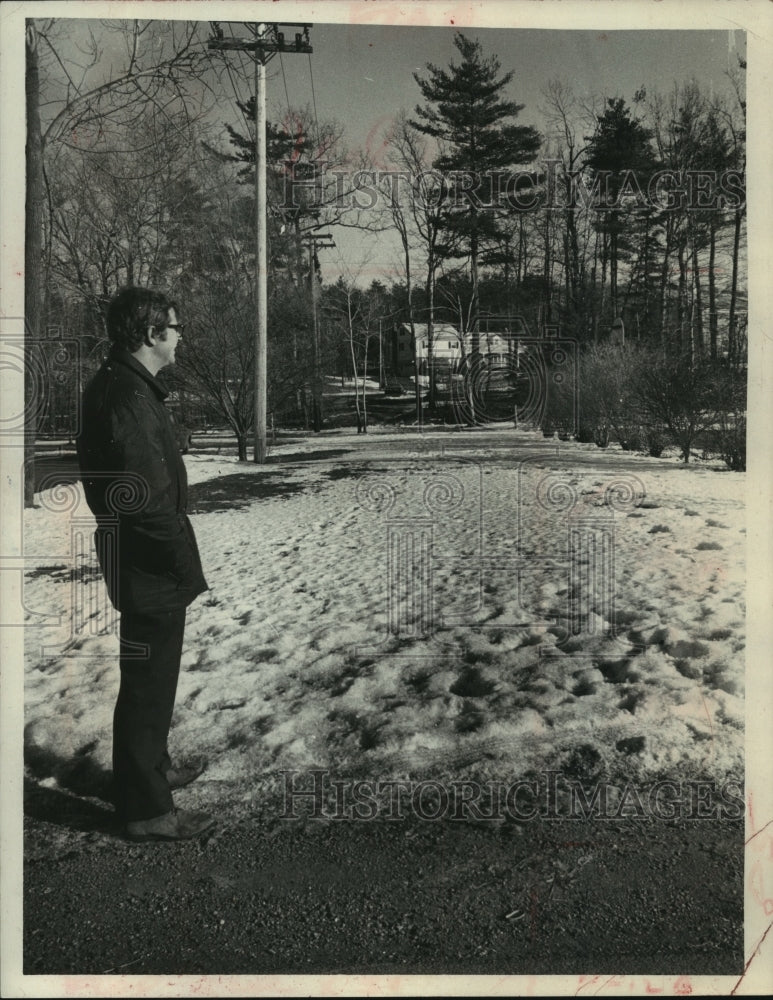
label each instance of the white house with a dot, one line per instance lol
(449, 347)
(495, 346)
(446, 346)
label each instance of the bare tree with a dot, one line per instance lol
(217, 290)
(567, 119)
(33, 284)
(357, 317)
(415, 194)
(73, 98)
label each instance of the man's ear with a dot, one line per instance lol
(150, 337)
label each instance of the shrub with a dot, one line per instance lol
(682, 394)
(655, 440)
(731, 433)
(560, 406)
(629, 438)
(732, 441)
(607, 398)
(586, 433)
(648, 398)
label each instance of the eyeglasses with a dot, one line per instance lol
(180, 327)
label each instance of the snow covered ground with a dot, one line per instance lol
(470, 604)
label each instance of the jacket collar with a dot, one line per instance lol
(122, 356)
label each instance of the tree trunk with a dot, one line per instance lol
(364, 379)
(574, 249)
(354, 369)
(594, 306)
(664, 286)
(698, 311)
(682, 298)
(474, 326)
(317, 376)
(613, 269)
(712, 292)
(416, 384)
(546, 269)
(604, 257)
(33, 278)
(646, 275)
(431, 402)
(731, 333)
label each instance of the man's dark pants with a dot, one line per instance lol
(151, 647)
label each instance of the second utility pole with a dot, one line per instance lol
(267, 40)
(261, 258)
(315, 242)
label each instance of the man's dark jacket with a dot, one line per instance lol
(136, 486)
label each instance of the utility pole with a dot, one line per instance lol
(381, 379)
(265, 42)
(316, 241)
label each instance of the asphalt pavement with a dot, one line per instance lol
(268, 895)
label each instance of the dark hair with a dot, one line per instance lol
(131, 311)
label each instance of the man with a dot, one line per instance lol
(135, 484)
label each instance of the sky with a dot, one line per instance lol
(364, 74)
(361, 76)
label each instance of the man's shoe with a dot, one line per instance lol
(178, 825)
(179, 777)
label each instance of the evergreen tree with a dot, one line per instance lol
(286, 155)
(620, 150)
(475, 128)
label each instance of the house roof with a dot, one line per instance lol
(447, 330)
(438, 329)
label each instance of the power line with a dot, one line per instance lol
(284, 80)
(240, 104)
(234, 88)
(245, 74)
(314, 100)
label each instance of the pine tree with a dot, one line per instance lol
(286, 155)
(619, 148)
(475, 128)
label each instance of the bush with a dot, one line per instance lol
(732, 446)
(656, 441)
(586, 433)
(648, 399)
(630, 438)
(560, 409)
(683, 394)
(731, 436)
(607, 398)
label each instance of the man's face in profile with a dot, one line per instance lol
(166, 341)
